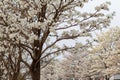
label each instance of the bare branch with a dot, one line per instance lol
(26, 46)
(28, 51)
(25, 63)
(69, 37)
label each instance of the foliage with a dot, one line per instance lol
(31, 31)
(106, 52)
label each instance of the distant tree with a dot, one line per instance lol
(77, 65)
(102, 60)
(30, 31)
(106, 52)
(10, 65)
(53, 71)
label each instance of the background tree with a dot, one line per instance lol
(106, 52)
(53, 71)
(10, 65)
(77, 65)
(100, 61)
(32, 30)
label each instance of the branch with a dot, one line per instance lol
(69, 37)
(25, 63)
(47, 63)
(52, 53)
(77, 23)
(6, 65)
(67, 27)
(56, 8)
(12, 64)
(60, 4)
(45, 35)
(26, 46)
(64, 49)
(64, 6)
(5, 23)
(28, 51)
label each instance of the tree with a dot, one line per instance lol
(53, 71)
(77, 65)
(11, 66)
(100, 61)
(32, 29)
(106, 52)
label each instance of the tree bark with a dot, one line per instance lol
(35, 66)
(35, 70)
(106, 77)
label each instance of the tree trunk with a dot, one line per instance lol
(106, 77)
(35, 66)
(90, 78)
(15, 76)
(35, 70)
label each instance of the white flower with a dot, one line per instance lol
(32, 38)
(12, 35)
(26, 5)
(35, 37)
(87, 34)
(74, 32)
(84, 0)
(32, 12)
(23, 21)
(12, 18)
(65, 34)
(104, 6)
(52, 29)
(100, 20)
(5, 71)
(1, 35)
(22, 39)
(21, 2)
(108, 2)
(6, 1)
(110, 16)
(1, 3)
(11, 29)
(85, 14)
(78, 45)
(81, 5)
(97, 8)
(78, 13)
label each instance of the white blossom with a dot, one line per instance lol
(24, 24)
(110, 16)
(104, 6)
(84, 0)
(12, 35)
(108, 2)
(52, 29)
(85, 14)
(97, 8)
(32, 12)
(78, 45)
(74, 32)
